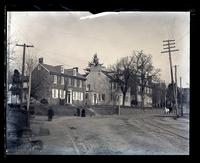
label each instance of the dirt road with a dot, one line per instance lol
(114, 135)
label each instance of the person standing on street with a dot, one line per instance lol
(50, 114)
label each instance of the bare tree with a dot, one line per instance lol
(30, 62)
(122, 73)
(146, 71)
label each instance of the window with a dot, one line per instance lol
(74, 72)
(88, 87)
(114, 85)
(145, 89)
(75, 83)
(81, 96)
(54, 93)
(62, 80)
(80, 84)
(55, 79)
(73, 96)
(103, 97)
(62, 94)
(69, 81)
(139, 89)
(86, 96)
(62, 69)
(78, 95)
(25, 85)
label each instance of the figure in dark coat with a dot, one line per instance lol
(83, 113)
(50, 114)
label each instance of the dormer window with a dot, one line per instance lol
(62, 69)
(62, 80)
(74, 72)
(55, 79)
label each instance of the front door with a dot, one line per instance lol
(68, 97)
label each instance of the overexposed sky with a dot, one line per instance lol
(71, 38)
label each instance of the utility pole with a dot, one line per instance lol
(176, 90)
(118, 88)
(164, 95)
(23, 65)
(169, 50)
(181, 97)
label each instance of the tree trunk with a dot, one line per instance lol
(124, 97)
(136, 95)
(142, 96)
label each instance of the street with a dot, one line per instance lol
(143, 134)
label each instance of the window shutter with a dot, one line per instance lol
(64, 94)
(73, 95)
(56, 93)
(52, 93)
(60, 93)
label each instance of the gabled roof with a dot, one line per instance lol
(109, 75)
(70, 73)
(67, 72)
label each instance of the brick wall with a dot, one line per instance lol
(44, 81)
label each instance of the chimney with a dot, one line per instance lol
(41, 60)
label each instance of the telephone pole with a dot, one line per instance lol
(181, 96)
(176, 90)
(23, 66)
(164, 95)
(169, 49)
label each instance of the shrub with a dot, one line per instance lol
(44, 101)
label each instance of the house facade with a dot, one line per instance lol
(147, 96)
(101, 89)
(58, 85)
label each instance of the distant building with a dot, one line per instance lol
(159, 91)
(186, 95)
(58, 85)
(15, 99)
(136, 92)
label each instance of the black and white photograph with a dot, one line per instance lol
(110, 83)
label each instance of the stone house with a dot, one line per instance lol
(102, 89)
(57, 85)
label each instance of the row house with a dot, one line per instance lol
(58, 85)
